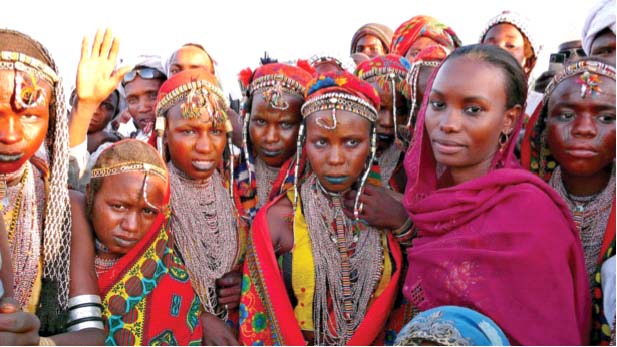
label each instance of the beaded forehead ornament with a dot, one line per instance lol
(589, 79)
(197, 97)
(28, 92)
(337, 100)
(274, 86)
(133, 166)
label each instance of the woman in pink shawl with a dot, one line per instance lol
(490, 236)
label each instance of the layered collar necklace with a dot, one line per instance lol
(348, 260)
(265, 176)
(590, 214)
(205, 229)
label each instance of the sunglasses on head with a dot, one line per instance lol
(146, 73)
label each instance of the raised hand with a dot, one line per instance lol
(97, 76)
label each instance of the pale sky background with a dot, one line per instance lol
(236, 33)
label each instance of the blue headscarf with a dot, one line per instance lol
(452, 326)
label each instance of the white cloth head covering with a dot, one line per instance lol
(608, 288)
(601, 16)
(522, 23)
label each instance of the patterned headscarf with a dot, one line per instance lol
(535, 153)
(385, 69)
(381, 31)
(451, 326)
(423, 26)
(601, 16)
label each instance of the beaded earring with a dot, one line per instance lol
(373, 152)
(299, 144)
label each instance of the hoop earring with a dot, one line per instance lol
(503, 140)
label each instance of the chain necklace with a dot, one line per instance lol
(5, 199)
(388, 160)
(265, 176)
(25, 230)
(348, 265)
(590, 214)
(205, 229)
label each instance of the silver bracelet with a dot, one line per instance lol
(96, 324)
(84, 299)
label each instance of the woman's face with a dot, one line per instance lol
(338, 157)
(385, 120)
(508, 37)
(581, 131)
(466, 114)
(22, 130)
(273, 133)
(120, 216)
(195, 145)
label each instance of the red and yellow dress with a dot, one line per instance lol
(267, 316)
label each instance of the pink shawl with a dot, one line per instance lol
(503, 244)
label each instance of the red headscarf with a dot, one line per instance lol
(423, 26)
(503, 244)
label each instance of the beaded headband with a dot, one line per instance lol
(28, 92)
(197, 96)
(128, 167)
(338, 101)
(589, 80)
(274, 86)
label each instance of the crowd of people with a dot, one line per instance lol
(432, 194)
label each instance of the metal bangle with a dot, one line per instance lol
(96, 324)
(84, 312)
(84, 299)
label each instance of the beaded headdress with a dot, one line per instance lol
(339, 91)
(124, 157)
(429, 57)
(273, 80)
(24, 54)
(198, 93)
(389, 72)
(589, 71)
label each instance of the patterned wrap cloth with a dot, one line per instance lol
(423, 26)
(451, 326)
(381, 31)
(147, 296)
(293, 79)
